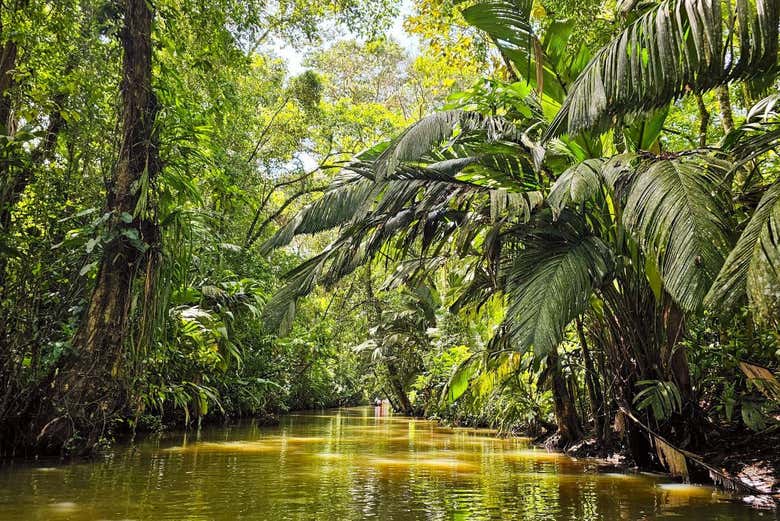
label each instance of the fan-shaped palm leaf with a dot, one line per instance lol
(753, 266)
(576, 185)
(550, 281)
(678, 211)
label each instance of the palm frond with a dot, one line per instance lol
(406, 214)
(550, 280)
(354, 190)
(618, 171)
(576, 185)
(517, 205)
(678, 211)
(347, 194)
(508, 24)
(680, 46)
(752, 269)
(479, 290)
(420, 138)
(759, 134)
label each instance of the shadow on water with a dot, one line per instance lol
(347, 465)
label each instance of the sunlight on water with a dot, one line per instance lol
(346, 465)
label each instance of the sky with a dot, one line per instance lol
(295, 57)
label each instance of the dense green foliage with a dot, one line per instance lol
(611, 262)
(539, 221)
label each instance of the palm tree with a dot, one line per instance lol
(623, 246)
(676, 47)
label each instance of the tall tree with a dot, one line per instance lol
(90, 392)
(104, 329)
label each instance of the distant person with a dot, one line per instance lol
(377, 402)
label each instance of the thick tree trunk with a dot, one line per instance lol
(8, 180)
(8, 53)
(90, 393)
(105, 327)
(565, 414)
(404, 404)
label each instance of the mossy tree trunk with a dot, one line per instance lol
(90, 393)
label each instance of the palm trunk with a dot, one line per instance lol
(591, 381)
(565, 414)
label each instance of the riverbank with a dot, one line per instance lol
(748, 466)
(347, 464)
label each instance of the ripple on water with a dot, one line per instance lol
(347, 466)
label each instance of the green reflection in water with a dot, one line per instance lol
(346, 465)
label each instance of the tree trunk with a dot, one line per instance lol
(591, 381)
(8, 53)
(565, 414)
(404, 404)
(90, 393)
(704, 120)
(105, 326)
(726, 116)
(687, 427)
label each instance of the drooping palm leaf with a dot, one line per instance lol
(759, 134)
(406, 214)
(550, 280)
(337, 206)
(680, 46)
(518, 204)
(752, 268)
(423, 136)
(576, 185)
(353, 191)
(678, 211)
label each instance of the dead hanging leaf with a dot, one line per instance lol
(666, 452)
(619, 426)
(672, 459)
(764, 380)
(539, 58)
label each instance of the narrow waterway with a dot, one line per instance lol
(346, 465)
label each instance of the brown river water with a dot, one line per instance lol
(345, 465)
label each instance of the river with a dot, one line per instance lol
(346, 465)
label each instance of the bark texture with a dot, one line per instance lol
(105, 327)
(90, 392)
(726, 115)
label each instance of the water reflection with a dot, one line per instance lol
(351, 464)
